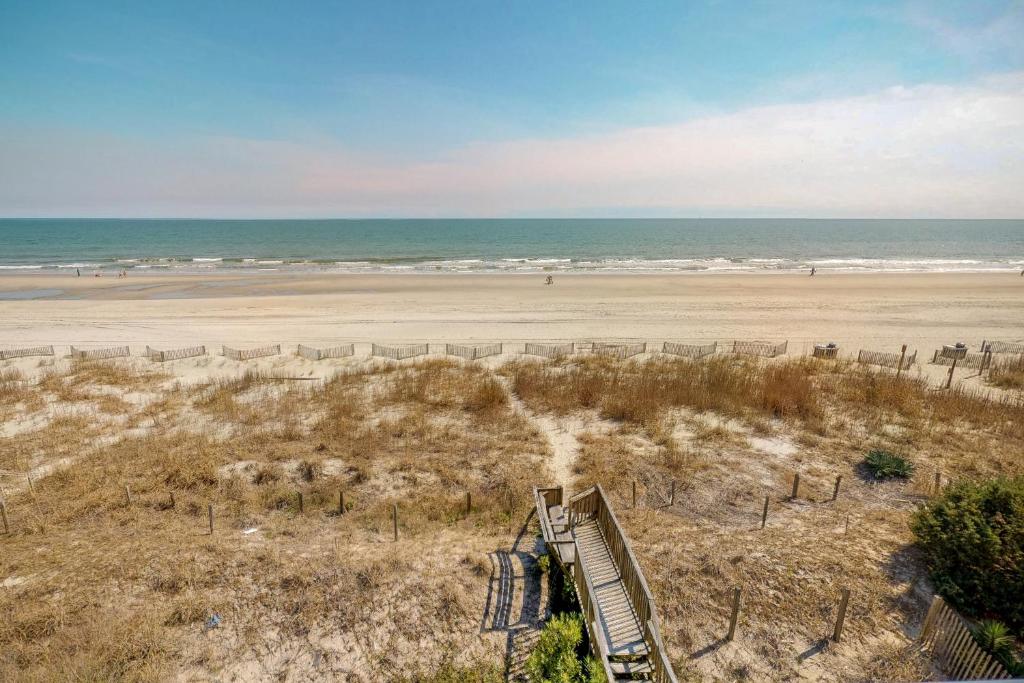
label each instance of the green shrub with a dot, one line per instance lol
(886, 465)
(554, 660)
(973, 538)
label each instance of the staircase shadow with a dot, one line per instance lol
(517, 602)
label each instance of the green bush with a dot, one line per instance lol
(554, 659)
(559, 654)
(886, 465)
(973, 538)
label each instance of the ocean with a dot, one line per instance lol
(520, 245)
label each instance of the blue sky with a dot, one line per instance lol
(240, 91)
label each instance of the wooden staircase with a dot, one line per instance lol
(587, 541)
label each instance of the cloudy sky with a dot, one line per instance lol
(253, 109)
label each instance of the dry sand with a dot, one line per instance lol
(879, 311)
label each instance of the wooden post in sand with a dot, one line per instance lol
(394, 515)
(341, 502)
(938, 482)
(31, 487)
(3, 513)
(735, 613)
(469, 503)
(672, 495)
(796, 485)
(764, 513)
(209, 510)
(127, 495)
(841, 617)
(302, 507)
(835, 491)
(903, 355)
(634, 494)
(949, 379)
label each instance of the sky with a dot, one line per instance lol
(478, 109)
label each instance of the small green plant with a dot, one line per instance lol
(885, 465)
(544, 563)
(995, 638)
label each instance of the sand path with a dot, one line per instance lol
(560, 437)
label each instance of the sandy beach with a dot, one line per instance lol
(880, 310)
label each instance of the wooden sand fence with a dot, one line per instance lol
(620, 351)
(249, 354)
(399, 352)
(174, 354)
(7, 354)
(977, 361)
(549, 350)
(1002, 347)
(689, 350)
(885, 359)
(948, 638)
(316, 353)
(100, 354)
(472, 351)
(758, 348)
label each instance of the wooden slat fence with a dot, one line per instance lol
(249, 354)
(689, 350)
(7, 354)
(549, 350)
(316, 353)
(100, 354)
(472, 351)
(620, 351)
(1003, 347)
(174, 354)
(885, 359)
(756, 348)
(948, 638)
(399, 352)
(976, 361)
(593, 503)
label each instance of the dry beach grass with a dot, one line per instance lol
(105, 582)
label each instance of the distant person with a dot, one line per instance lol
(78, 273)
(550, 280)
(813, 271)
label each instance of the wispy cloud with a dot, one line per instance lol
(929, 150)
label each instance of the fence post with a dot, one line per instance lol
(341, 502)
(469, 503)
(735, 613)
(949, 379)
(394, 514)
(302, 507)
(835, 491)
(796, 485)
(127, 495)
(3, 513)
(672, 495)
(903, 355)
(31, 486)
(634, 494)
(209, 510)
(938, 482)
(841, 617)
(764, 513)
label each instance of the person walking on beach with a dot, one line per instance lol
(78, 272)
(550, 280)
(813, 270)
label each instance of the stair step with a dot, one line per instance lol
(631, 668)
